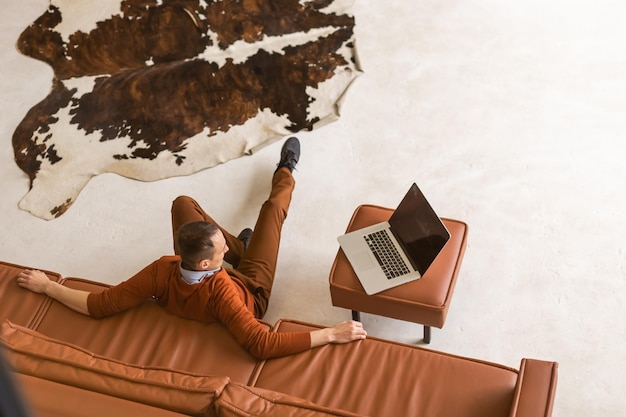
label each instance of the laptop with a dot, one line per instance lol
(393, 253)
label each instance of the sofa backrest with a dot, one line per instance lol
(150, 336)
(145, 335)
(409, 380)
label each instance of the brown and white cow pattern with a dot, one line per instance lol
(154, 89)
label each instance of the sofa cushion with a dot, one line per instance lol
(42, 397)
(34, 354)
(242, 401)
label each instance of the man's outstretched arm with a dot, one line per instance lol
(37, 281)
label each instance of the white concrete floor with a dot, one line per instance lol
(509, 115)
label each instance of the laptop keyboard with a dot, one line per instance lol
(386, 254)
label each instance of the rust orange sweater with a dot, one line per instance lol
(220, 298)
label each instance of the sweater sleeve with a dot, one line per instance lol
(125, 295)
(252, 335)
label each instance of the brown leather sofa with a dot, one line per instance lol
(148, 362)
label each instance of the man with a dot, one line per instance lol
(195, 285)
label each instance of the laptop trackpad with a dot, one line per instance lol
(364, 260)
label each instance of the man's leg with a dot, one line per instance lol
(259, 261)
(186, 209)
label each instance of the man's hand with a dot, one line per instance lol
(33, 280)
(37, 281)
(347, 331)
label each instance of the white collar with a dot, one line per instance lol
(194, 277)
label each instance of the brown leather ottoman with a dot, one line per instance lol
(425, 301)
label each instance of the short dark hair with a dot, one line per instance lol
(194, 242)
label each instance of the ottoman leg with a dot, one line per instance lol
(356, 315)
(426, 334)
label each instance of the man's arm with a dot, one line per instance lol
(344, 332)
(37, 281)
(228, 308)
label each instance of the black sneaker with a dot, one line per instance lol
(245, 236)
(289, 154)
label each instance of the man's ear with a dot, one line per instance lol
(203, 264)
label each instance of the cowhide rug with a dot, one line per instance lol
(154, 89)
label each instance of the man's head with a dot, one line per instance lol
(201, 246)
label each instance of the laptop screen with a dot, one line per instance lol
(419, 230)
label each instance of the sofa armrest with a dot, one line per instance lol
(535, 389)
